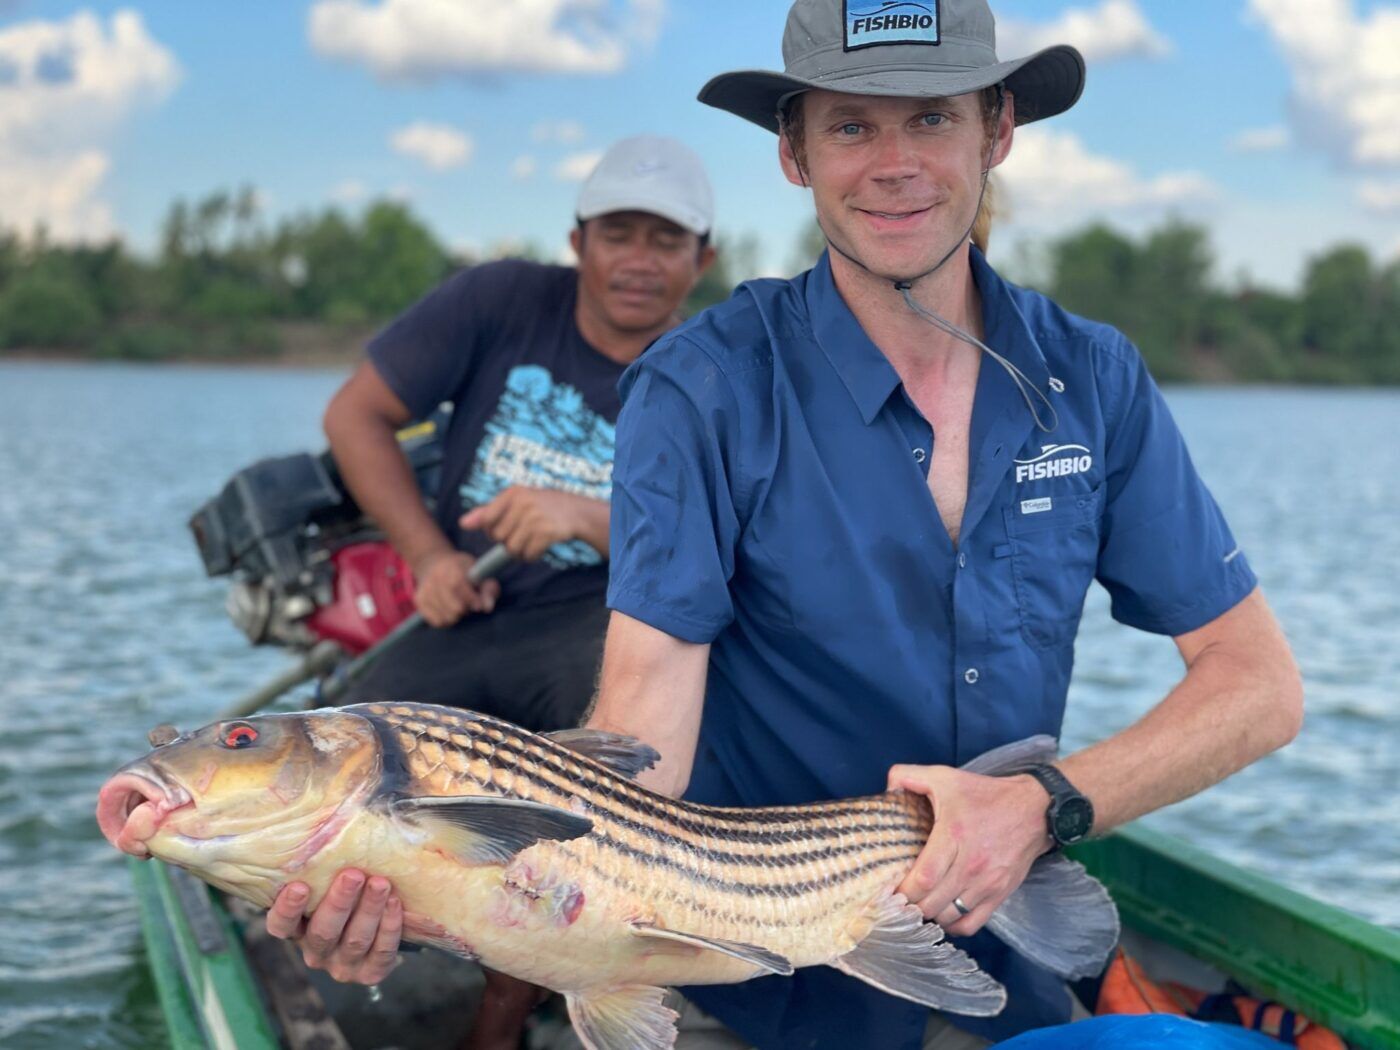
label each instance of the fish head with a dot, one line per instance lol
(243, 803)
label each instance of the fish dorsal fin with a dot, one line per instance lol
(907, 957)
(634, 1017)
(481, 829)
(772, 962)
(624, 755)
(1015, 756)
(1060, 917)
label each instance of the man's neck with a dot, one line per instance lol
(620, 345)
(908, 340)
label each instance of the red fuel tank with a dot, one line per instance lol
(373, 595)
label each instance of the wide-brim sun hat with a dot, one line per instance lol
(902, 49)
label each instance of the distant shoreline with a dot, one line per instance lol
(302, 345)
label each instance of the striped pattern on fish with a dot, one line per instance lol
(542, 858)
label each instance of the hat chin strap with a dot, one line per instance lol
(905, 287)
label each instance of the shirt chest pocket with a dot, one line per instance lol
(1054, 554)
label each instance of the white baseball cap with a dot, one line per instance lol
(653, 174)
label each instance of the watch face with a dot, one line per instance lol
(1073, 819)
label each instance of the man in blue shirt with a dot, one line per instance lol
(855, 515)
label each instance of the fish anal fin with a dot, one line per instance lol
(624, 755)
(764, 959)
(481, 829)
(634, 1017)
(905, 956)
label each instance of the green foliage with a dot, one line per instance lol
(224, 283)
(40, 311)
(1343, 327)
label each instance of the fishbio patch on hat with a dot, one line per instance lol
(872, 22)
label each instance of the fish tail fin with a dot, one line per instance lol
(1060, 917)
(910, 958)
(1015, 756)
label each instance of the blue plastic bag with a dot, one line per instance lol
(1140, 1032)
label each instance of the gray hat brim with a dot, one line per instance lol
(1044, 84)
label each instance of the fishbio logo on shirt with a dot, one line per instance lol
(871, 22)
(1054, 461)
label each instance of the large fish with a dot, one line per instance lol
(539, 856)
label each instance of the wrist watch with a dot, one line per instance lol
(1070, 816)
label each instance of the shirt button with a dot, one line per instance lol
(920, 455)
(970, 676)
(962, 559)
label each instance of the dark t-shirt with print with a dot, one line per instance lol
(534, 404)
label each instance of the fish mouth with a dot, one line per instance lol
(133, 805)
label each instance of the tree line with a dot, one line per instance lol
(222, 284)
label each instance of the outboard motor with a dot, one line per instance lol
(306, 563)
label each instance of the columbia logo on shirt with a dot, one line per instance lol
(871, 22)
(1054, 461)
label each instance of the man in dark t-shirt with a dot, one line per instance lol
(529, 355)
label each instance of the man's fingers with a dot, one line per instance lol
(957, 924)
(384, 953)
(490, 593)
(328, 921)
(931, 870)
(285, 916)
(363, 925)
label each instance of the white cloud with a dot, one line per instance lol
(65, 88)
(522, 167)
(568, 132)
(1050, 175)
(1346, 76)
(1260, 140)
(351, 191)
(1114, 29)
(578, 166)
(1380, 198)
(427, 39)
(438, 146)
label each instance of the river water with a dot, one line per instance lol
(108, 627)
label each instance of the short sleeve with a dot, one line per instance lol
(673, 524)
(1166, 556)
(427, 353)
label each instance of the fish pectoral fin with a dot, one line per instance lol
(910, 958)
(749, 953)
(486, 830)
(1060, 917)
(624, 755)
(634, 1017)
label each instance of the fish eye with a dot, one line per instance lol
(239, 735)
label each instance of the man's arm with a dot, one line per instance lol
(1241, 698)
(652, 687)
(361, 422)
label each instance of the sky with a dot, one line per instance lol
(1274, 122)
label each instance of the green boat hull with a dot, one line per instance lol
(1326, 964)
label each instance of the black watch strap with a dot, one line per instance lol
(1070, 815)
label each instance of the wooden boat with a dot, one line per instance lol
(222, 983)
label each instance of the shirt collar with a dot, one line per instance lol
(867, 373)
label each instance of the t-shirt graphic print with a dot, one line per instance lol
(544, 435)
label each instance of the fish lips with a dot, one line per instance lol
(134, 803)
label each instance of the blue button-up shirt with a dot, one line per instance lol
(770, 497)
